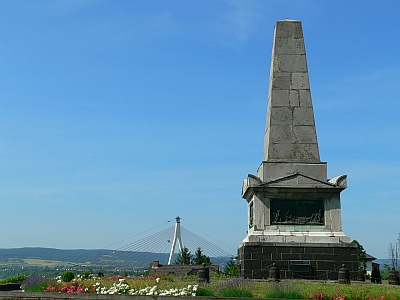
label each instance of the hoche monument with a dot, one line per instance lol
(294, 212)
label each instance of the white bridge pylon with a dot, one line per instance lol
(177, 236)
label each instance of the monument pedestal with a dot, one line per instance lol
(297, 260)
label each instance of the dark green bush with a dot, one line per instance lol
(67, 276)
(85, 275)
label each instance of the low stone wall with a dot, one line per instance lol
(181, 270)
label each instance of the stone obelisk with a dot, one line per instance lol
(294, 213)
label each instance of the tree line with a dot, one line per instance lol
(185, 257)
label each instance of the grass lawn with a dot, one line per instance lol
(236, 287)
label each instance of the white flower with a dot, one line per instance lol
(158, 280)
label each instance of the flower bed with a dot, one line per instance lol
(167, 285)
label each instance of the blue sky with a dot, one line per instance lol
(117, 116)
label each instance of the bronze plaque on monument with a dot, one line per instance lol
(297, 212)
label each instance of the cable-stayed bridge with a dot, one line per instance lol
(163, 246)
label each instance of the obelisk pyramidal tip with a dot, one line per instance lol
(290, 133)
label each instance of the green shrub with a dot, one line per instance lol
(232, 268)
(14, 279)
(67, 276)
(204, 291)
(85, 275)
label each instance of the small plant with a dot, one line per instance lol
(36, 283)
(122, 287)
(321, 296)
(337, 296)
(218, 275)
(190, 277)
(85, 275)
(238, 288)
(204, 291)
(69, 288)
(283, 290)
(67, 276)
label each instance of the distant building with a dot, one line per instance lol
(370, 264)
(179, 270)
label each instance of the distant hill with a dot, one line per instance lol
(383, 261)
(100, 257)
(80, 256)
(94, 259)
(73, 256)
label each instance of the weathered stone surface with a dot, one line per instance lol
(304, 134)
(289, 100)
(271, 171)
(294, 211)
(323, 260)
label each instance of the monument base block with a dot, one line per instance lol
(317, 261)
